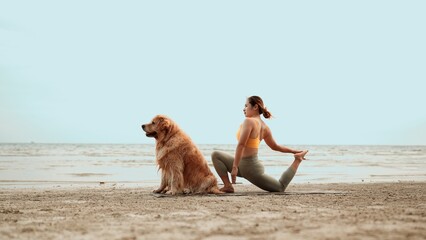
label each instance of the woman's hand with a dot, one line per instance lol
(234, 174)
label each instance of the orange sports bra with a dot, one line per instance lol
(252, 142)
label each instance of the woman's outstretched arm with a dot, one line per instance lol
(270, 141)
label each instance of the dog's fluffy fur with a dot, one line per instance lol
(182, 165)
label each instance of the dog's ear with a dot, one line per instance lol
(164, 123)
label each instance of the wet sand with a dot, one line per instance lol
(344, 211)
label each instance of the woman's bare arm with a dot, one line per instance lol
(270, 141)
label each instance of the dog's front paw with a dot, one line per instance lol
(161, 190)
(158, 190)
(174, 192)
(186, 191)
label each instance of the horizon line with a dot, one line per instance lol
(296, 144)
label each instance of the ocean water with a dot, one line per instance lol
(69, 165)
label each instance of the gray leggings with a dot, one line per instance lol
(252, 169)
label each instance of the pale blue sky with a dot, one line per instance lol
(332, 72)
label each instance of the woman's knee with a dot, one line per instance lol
(219, 156)
(218, 164)
(215, 156)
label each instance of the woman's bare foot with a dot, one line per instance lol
(227, 189)
(300, 156)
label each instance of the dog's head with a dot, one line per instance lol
(159, 127)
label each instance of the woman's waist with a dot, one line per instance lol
(249, 152)
(252, 157)
(251, 162)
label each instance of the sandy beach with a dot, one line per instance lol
(342, 211)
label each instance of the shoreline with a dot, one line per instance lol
(72, 185)
(364, 210)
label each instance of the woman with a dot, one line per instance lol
(245, 162)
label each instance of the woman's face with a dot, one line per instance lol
(249, 110)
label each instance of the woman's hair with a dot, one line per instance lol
(253, 100)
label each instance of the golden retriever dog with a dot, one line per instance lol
(182, 165)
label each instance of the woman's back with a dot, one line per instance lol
(255, 137)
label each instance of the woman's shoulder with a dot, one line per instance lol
(249, 121)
